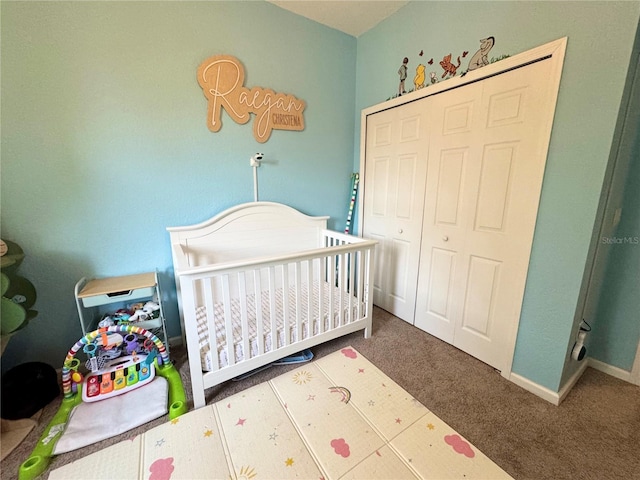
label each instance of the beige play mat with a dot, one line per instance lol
(336, 417)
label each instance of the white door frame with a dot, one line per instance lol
(553, 51)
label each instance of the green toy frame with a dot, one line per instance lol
(39, 459)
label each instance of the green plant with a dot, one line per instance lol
(18, 293)
(497, 59)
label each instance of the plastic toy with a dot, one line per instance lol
(144, 312)
(119, 376)
(76, 377)
(41, 455)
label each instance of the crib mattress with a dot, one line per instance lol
(280, 302)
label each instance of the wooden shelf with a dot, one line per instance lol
(103, 286)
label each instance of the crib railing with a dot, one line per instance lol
(274, 302)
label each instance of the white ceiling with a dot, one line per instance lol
(349, 16)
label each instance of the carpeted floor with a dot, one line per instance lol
(593, 434)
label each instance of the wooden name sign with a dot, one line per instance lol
(222, 80)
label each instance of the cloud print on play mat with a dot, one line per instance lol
(349, 352)
(459, 445)
(341, 447)
(161, 469)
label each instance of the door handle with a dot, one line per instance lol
(445, 238)
(399, 230)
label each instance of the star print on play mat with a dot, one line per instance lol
(208, 433)
(289, 462)
(241, 421)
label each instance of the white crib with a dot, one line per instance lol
(271, 279)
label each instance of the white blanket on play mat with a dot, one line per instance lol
(92, 422)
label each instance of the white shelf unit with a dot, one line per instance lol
(98, 296)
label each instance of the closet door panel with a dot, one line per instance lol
(394, 184)
(447, 214)
(449, 188)
(514, 114)
(479, 302)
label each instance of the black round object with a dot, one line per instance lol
(27, 388)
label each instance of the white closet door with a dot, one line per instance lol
(486, 171)
(396, 159)
(453, 123)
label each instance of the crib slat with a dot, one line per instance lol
(258, 304)
(332, 291)
(228, 322)
(322, 273)
(359, 287)
(341, 272)
(272, 308)
(209, 304)
(286, 305)
(299, 334)
(311, 297)
(351, 286)
(242, 290)
(367, 293)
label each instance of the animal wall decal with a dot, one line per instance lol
(450, 68)
(419, 81)
(480, 58)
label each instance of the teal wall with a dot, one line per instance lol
(612, 281)
(615, 334)
(600, 39)
(616, 327)
(105, 143)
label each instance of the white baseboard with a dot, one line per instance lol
(557, 397)
(545, 393)
(569, 384)
(610, 370)
(539, 390)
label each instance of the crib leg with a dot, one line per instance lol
(198, 392)
(197, 384)
(198, 398)
(369, 328)
(367, 332)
